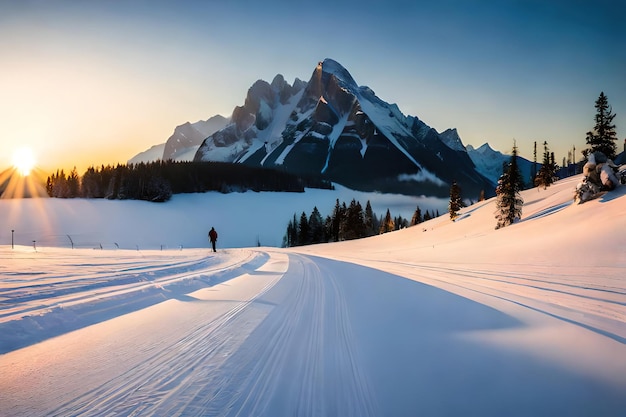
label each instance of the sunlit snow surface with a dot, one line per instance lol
(441, 319)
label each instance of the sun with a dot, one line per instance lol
(24, 160)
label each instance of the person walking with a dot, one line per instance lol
(213, 237)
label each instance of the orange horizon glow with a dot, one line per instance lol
(13, 184)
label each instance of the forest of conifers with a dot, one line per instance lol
(157, 181)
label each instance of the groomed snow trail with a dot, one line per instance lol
(299, 359)
(282, 333)
(271, 341)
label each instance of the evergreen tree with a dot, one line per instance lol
(341, 220)
(508, 199)
(60, 188)
(400, 223)
(352, 225)
(387, 225)
(49, 186)
(336, 220)
(156, 189)
(603, 137)
(369, 219)
(533, 174)
(316, 226)
(546, 173)
(73, 184)
(293, 235)
(90, 184)
(328, 228)
(287, 239)
(357, 220)
(303, 230)
(456, 202)
(417, 216)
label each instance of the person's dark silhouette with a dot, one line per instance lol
(213, 237)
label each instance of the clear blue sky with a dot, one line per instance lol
(93, 82)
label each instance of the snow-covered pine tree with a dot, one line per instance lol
(508, 199)
(456, 202)
(603, 137)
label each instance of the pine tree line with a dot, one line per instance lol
(347, 222)
(157, 181)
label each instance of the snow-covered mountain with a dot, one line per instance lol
(188, 137)
(153, 154)
(331, 127)
(452, 139)
(489, 162)
(184, 142)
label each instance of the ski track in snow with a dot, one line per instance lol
(563, 298)
(288, 349)
(165, 383)
(295, 342)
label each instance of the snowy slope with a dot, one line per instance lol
(153, 154)
(445, 318)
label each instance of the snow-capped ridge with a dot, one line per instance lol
(334, 68)
(484, 149)
(452, 139)
(331, 127)
(489, 162)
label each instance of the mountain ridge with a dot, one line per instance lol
(334, 128)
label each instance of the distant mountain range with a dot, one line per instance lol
(333, 128)
(490, 162)
(184, 142)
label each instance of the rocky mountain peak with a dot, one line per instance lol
(332, 128)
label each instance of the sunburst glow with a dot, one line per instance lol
(24, 160)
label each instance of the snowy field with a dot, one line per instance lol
(242, 219)
(442, 319)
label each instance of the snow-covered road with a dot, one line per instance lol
(274, 333)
